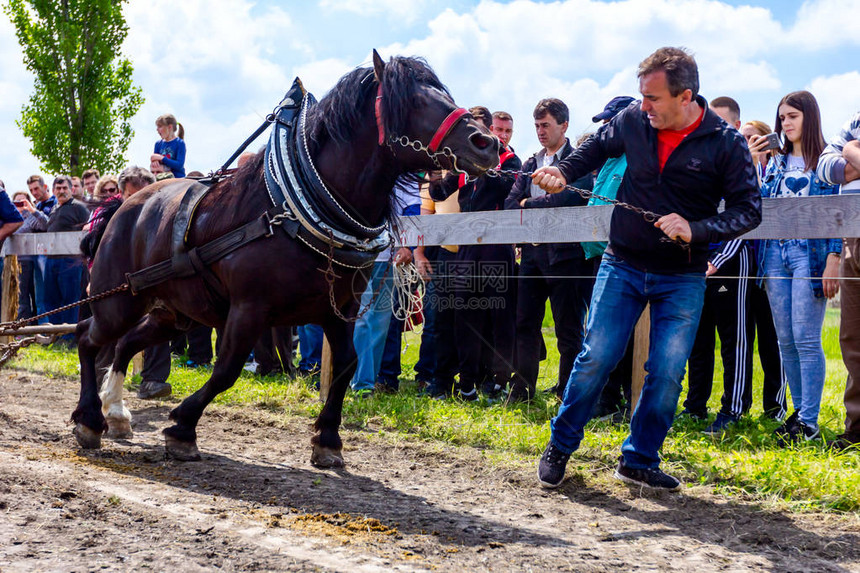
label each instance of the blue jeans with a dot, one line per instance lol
(310, 347)
(39, 284)
(62, 282)
(371, 329)
(619, 297)
(798, 317)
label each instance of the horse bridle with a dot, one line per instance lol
(433, 148)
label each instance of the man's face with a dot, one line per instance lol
(550, 132)
(39, 191)
(503, 129)
(664, 110)
(77, 188)
(62, 191)
(90, 184)
(727, 116)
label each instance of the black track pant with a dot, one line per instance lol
(726, 309)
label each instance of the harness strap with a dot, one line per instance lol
(446, 128)
(183, 266)
(504, 157)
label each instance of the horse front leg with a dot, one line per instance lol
(243, 328)
(326, 443)
(88, 418)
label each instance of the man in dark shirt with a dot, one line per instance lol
(699, 160)
(557, 271)
(63, 273)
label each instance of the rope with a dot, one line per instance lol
(406, 297)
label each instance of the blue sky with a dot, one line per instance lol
(221, 65)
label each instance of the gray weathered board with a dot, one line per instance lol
(807, 217)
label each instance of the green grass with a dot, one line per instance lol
(745, 463)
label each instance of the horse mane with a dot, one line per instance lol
(339, 113)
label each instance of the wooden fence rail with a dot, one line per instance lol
(833, 216)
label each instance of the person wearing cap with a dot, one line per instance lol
(615, 400)
(549, 270)
(682, 161)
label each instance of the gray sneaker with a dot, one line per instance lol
(150, 389)
(551, 467)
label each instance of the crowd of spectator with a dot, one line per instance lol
(484, 305)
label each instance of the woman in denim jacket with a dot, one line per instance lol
(798, 302)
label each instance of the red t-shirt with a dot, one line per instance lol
(669, 139)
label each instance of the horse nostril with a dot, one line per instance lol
(481, 141)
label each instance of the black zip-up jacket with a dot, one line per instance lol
(484, 194)
(710, 164)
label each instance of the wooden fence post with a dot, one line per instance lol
(9, 309)
(326, 371)
(640, 355)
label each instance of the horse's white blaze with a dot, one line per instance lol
(111, 396)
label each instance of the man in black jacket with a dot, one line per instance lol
(557, 271)
(479, 281)
(682, 160)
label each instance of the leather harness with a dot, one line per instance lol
(302, 204)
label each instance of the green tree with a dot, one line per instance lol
(78, 116)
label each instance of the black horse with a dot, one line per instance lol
(371, 128)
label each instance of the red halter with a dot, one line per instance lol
(441, 133)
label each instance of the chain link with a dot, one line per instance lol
(14, 325)
(649, 216)
(331, 276)
(8, 351)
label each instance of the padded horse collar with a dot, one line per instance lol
(295, 186)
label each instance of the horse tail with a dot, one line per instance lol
(98, 224)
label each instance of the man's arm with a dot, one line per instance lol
(9, 228)
(851, 153)
(742, 196)
(833, 166)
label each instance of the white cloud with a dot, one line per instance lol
(407, 11)
(839, 99)
(827, 24)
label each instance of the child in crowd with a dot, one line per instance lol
(799, 274)
(170, 149)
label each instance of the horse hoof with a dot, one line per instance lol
(326, 457)
(87, 439)
(182, 451)
(119, 429)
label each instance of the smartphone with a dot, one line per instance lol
(772, 141)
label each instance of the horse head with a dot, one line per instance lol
(418, 119)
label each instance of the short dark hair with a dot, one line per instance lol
(553, 106)
(682, 73)
(482, 114)
(37, 178)
(728, 103)
(62, 179)
(502, 115)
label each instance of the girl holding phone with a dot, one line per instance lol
(799, 274)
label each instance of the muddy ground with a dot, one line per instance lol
(256, 504)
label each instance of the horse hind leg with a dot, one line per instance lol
(117, 416)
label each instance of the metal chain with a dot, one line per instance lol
(416, 145)
(331, 276)
(8, 351)
(14, 325)
(649, 216)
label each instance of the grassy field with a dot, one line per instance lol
(744, 463)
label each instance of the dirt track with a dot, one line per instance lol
(256, 504)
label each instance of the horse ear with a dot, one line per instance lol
(378, 66)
